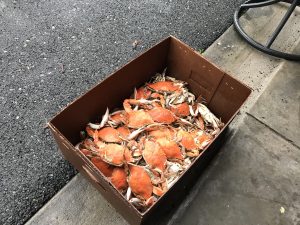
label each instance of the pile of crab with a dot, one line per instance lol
(143, 148)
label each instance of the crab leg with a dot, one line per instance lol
(103, 121)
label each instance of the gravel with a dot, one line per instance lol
(52, 51)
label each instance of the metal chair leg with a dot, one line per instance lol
(266, 48)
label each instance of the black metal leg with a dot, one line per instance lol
(282, 23)
(266, 49)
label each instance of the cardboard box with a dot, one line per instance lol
(224, 95)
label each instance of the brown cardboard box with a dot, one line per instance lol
(224, 95)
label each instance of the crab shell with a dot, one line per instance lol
(181, 110)
(204, 139)
(104, 167)
(142, 93)
(164, 86)
(162, 115)
(109, 134)
(128, 155)
(138, 119)
(113, 154)
(119, 179)
(124, 132)
(154, 155)
(119, 117)
(187, 139)
(139, 181)
(161, 132)
(170, 148)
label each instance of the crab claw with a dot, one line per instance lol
(103, 121)
(150, 201)
(208, 116)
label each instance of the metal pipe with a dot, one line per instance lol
(248, 4)
(282, 23)
(257, 45)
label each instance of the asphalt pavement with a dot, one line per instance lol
(52, 51)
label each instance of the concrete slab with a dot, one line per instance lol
(279, 105)
(220, 209)
(77, 203)
(255, 175)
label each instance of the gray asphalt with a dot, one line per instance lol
(52, 51)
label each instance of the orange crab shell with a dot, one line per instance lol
(113, 154)
(162, 115)
(109, 134)
(119, 178)
(170, 148)
(140, 118)
(142, 93)
(124, 132)
(204, 138)
(128, 156)
(187, 139)
(104, 167)
(154, 155)
(161, 132)
(164, 86)
(140, 182)
(119, 117)
(181, 110)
